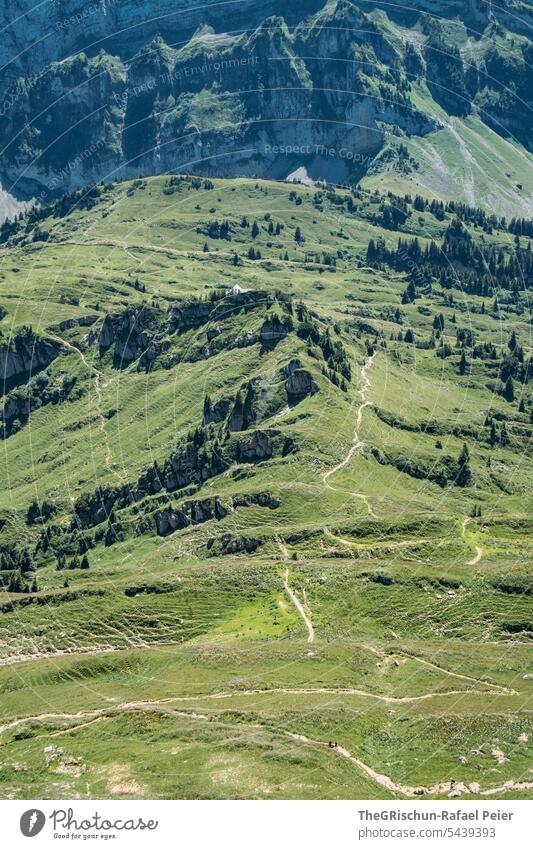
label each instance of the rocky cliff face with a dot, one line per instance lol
(59, 28)
(24, 355)
(129, 333)
(137, 91)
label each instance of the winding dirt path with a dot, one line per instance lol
(336, 538)
(477, 558)
(303, 609)
(146, 704)
(444, 787)
(357, 444)
(299, 607)
(373, 549)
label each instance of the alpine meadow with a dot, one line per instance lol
(267, 400)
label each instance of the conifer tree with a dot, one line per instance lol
(464, 474)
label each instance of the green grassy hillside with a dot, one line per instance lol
(266, 488)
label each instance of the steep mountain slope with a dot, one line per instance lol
(267, 463)
(342, 91)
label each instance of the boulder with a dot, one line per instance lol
(255, 447)
(261, 499)
(229, 544)
(299, 382)
(189, 513)
(274, 329)
(15, 407)
(82, 321)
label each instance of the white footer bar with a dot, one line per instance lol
(268, 824)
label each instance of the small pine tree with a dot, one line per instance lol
(16, 583)
(255, 230)
(464, 474)
(410, 293)
(26, 562)
(504, 436)
(508, 391)
(84, 562)
(462, 364)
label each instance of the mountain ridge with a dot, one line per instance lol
(346, 81)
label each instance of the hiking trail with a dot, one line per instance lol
(357, 444)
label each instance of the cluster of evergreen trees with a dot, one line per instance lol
(514, 368)
(459, 261)
(217, 230)
(391, 215)
(496, 437)
(12, 557)
(74, 563)
(521, 227)
(17, 568)
(39, 511)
